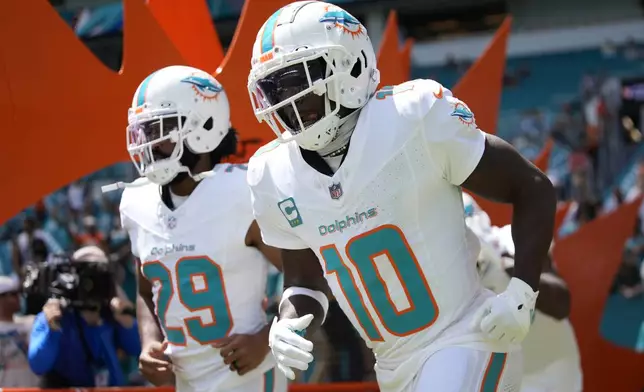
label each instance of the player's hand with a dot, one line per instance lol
(155, 366)
(289, 348)
(53, 313)
(507, 317)
(244, 353)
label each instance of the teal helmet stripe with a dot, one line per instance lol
(140, 97)
(269, 30)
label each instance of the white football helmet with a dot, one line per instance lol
(174, 107)
(310, 59)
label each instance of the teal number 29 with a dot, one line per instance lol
(211, 296)
(362, 250)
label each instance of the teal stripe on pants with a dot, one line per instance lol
(269, 381)
(493, 372)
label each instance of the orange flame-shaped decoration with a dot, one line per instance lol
(393, 62)
(64, 115)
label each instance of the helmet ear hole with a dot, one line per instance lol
(357, 69)
(208, 124)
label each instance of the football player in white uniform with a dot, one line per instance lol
(202, 262)
(361, 190)
(551, 361)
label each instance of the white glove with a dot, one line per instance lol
(507, 317)
(289, 348)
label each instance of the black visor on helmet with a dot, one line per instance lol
(289, 81)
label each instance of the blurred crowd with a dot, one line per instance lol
(597, 164)
(39, 338)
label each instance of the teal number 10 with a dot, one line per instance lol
(388, 91)
(362, 250)
(212, 297)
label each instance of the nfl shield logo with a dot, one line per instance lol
(171, 222)
(336, 191)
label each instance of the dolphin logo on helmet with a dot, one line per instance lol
(204, 87)
(343, 20)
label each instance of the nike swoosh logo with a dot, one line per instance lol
(440, 93)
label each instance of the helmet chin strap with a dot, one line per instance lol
(141, 181)
(338, 145)
(188, 162)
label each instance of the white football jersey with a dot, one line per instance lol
(207, 284)
(550, 352)
(388, 226)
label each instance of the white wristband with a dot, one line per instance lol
(316, 295)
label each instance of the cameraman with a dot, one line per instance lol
(77, 347)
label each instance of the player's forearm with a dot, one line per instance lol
(305, 288)
(300, 305)
(149, 329)
(532, 229)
